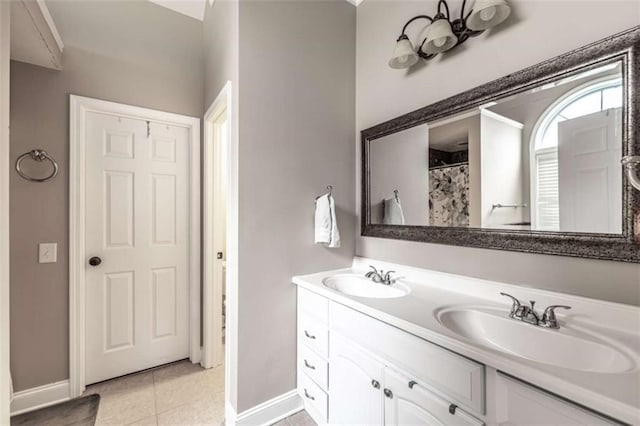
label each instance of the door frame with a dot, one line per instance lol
(212, 351)
(79, 107)
(5, 167)
(226, 97)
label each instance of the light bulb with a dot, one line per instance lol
(488, 13)
(403, 59)
(439, 42)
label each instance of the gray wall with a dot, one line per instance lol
(221, 50)
(297, 104)
(536, 31)
(221, 26)
(155, 62)
(401, 162)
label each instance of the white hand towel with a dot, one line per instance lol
(326, 226)
(393, 214)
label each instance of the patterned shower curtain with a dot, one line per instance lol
(449, 196)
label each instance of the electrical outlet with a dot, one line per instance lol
(47, 252)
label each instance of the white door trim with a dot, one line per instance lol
(5, 167)
(231, 325)
(79, 107)
(212, 354)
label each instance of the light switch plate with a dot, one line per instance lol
(47, 252)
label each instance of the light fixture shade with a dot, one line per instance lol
(487, 14)
(404, 55)
(440, 37)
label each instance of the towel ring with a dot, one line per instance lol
(38, 155)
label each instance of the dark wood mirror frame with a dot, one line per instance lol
(623, 47)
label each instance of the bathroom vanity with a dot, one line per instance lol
(435, 348)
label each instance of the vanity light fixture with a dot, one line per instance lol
(444, 34)
(631, 164)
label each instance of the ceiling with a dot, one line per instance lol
(192, 8)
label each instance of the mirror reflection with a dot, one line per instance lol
(547, 159)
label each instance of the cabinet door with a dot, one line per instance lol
(355, 389)
(405, 406)
(520, 404)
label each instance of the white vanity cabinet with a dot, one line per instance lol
(521, 404)
(313, 350)
(345, 360)
(354, 369)
(417, 405)
(356, 385)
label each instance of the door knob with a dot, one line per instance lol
(95, 261)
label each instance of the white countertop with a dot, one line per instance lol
(616, 395)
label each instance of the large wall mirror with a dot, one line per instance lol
(529, 162)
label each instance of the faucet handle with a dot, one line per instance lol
(516, 303)
(549, 315)
(371, 273)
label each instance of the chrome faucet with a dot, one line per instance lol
(529, 315)
(381, 276)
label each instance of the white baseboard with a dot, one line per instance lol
(266, 413)
(42, 396)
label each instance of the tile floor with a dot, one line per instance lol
(298, 419)
(181, 393)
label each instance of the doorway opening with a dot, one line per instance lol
(216, 185)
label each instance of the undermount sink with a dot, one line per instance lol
(358, 285)
(569, 347)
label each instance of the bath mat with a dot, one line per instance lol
(77, 412)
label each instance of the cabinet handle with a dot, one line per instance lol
(375, 384)
(452, 408)
(412, 383)
(388, 393)
(306, 333)
(306, 394)
(306, 364)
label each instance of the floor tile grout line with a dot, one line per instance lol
(155, 403)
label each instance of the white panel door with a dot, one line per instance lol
(589, 173)
(137, 223)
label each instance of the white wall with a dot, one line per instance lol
(538, 30)
(501, 169)
(5, 167)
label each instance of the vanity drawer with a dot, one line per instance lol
(313, 305)
(313, 334)
(456, 377)
(313, 365)
(314, 398)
